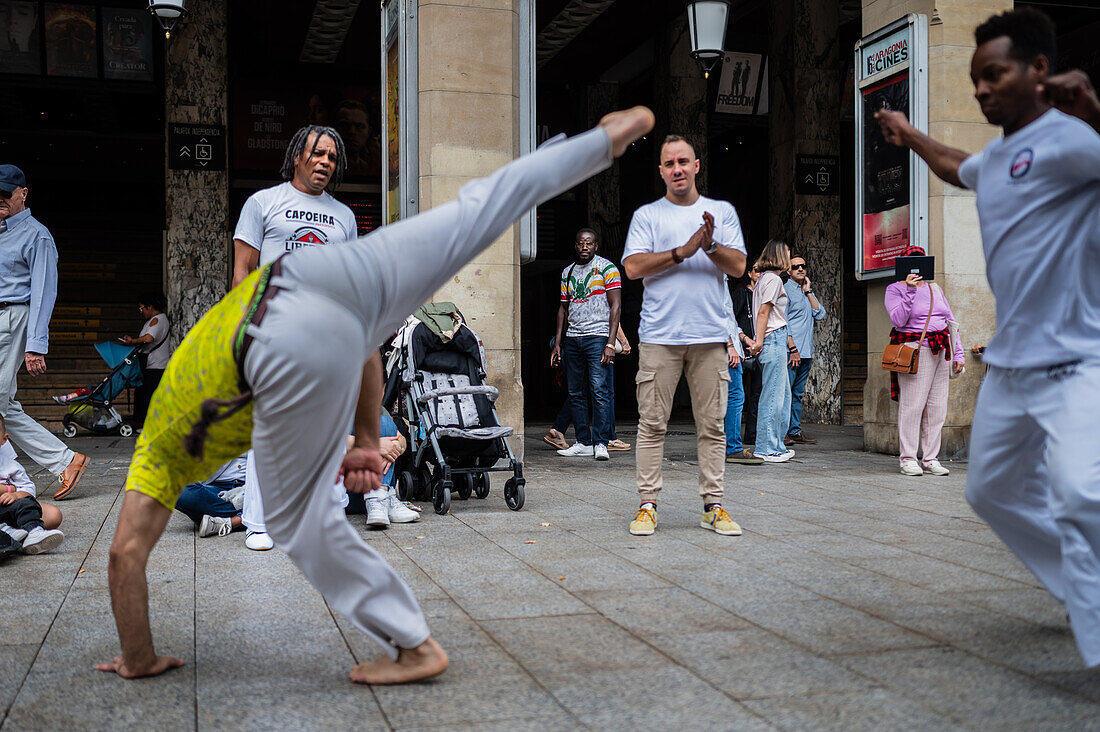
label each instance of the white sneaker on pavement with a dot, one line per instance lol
(934, 467)
(211, 525)
(780, 458)
(17, 535)
(600, 451)
(378, 513)
(910, 467)
(42, 540)
(258, 541)
(399, 513)
(578, 450)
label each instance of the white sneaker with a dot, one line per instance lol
(934, 467)
(41, 540)
(578, 450)
(399, 513)
(781, 458)
(18, 535)
(910, 467)
(258, 541)
(211, 525)
(378, 513)
(600, 451)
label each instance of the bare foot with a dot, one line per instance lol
(413, 664)
(626, 126)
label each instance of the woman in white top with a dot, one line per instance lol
(769, 308)
(155, 351)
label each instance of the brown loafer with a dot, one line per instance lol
(71, 476)
(555, 439)
(799, 439)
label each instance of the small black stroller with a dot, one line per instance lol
(93, 408)
(455, 438)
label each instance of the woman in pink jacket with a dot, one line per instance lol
(921, 397)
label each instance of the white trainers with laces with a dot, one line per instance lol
(42, 540)
(17, 535)
(934, 467)
(780, 458)
(578, 450)
(258, 541)
(399, 513)
(211, 525)
(378, 511)
(910, 467)
(600, 452)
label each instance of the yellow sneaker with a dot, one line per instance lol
(718, 520)
(645, 521)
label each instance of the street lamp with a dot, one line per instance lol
(707, 23)
(167, 13)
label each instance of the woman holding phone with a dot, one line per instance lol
(922, 397)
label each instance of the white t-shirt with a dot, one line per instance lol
(769, 288)
(686, 303)
(159, 351)
(12, 473)
(281, 219)
(1039, 207)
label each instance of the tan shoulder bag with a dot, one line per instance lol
(901, 357)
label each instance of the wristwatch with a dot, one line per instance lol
(809, 292)
(713, 247)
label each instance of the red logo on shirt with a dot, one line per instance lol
(1021, 163)
(307, 236)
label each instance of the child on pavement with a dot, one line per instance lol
(21, 515)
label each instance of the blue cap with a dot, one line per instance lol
(11, 178)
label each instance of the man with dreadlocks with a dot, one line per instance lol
(300, 337)
(300, 212)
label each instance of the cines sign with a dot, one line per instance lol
(886, 54)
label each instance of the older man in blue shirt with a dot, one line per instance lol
(803, 309)
(28, 288)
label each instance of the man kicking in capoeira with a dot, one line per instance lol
(300, 337)
(1034, 468)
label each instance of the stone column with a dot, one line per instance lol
(804, 118)
(197, 202)
(469, 114)
(680, 97)
(954, 237)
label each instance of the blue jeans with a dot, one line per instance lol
(798, 388)
(565, 416)
(774, 410)
(734, 405)
(589, 378)
(201, 499)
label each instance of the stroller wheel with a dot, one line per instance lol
(423, 484)
(69, 429)
(465, 486)
(481, 486)
(441, 498)
(125, 430)
(406, 484)
(513, 493)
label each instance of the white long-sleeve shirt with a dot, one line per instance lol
(12, 472)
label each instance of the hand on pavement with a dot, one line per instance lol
(159, 666)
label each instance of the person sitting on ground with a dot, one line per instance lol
(22, 517)
(383, 506)
(215, 506)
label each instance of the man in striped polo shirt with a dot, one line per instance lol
(589, 314)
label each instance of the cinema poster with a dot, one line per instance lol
(127, 44)
(739, 83)
(72, 47)
(891, 186)
(886, 168)
(20, 38)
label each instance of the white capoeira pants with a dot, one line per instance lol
(252, 511)
(1034, 476)
(335, 306)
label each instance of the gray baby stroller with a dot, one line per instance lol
(456, 438)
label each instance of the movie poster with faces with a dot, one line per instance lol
(127, 44)
(886, 212)
(71, 41)
(20, 38)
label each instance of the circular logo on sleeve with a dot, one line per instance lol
(1021, 164)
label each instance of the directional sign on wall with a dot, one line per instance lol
(196, 147)
(817, 175)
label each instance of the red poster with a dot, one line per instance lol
(886, 206)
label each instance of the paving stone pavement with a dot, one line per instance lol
(856, 599)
